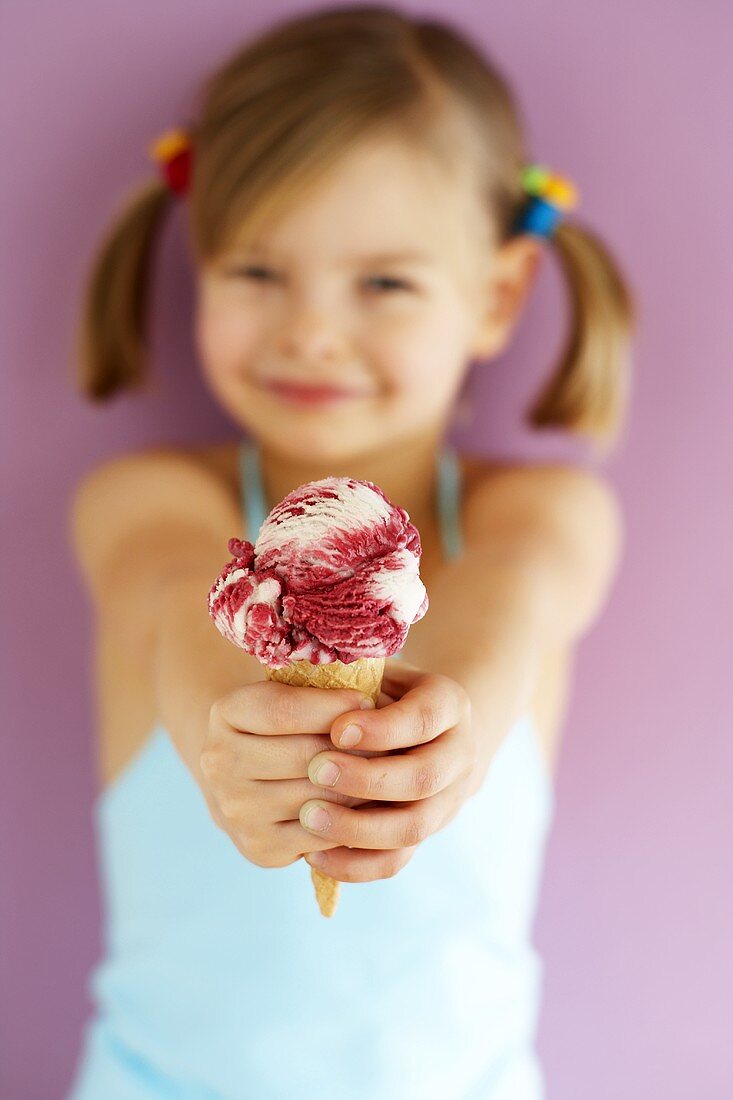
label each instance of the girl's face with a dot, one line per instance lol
(378, 283)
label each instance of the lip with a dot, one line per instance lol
(300, 394)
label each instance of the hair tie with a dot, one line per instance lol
(172, 152)
(551, 197)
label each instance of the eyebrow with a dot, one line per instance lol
(391, 258)
(404, 257)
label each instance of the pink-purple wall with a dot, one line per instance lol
(631, 99)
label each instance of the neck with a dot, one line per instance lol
(406, 474)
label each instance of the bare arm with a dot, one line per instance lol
(149, 533)
(193, 665)
(544, 547)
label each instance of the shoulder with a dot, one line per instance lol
(546, 507)
(542, 496)
(176, 469)
(167, 477)
(137, 491)
(562, 525)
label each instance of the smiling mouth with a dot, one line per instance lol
(301, 394)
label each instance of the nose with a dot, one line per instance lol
(308, 335)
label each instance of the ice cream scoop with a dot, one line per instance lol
(333, 576)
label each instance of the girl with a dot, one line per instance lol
(363, 224)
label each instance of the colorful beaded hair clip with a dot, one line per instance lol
(173, 154)
(550, 197)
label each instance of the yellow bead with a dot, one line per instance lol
(168, 145)
(560, 192)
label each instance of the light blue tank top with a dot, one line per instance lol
(220, 980)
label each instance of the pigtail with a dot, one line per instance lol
(111, 340)
(588, 390)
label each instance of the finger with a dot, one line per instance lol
(377, 827)
(433, 704)
(268, 707)
(290, 836)
(285, 797)
(274, 758)
(418, 773)
(360, 865)
(283, 844)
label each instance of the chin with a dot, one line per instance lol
(307, 434)
(317, 444)
(319, 435)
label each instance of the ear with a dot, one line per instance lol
(512, 273)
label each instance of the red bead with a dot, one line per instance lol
(177, 171)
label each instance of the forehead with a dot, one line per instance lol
(381, 201)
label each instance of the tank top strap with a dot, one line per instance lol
(449, 492)
(448, 496)
(254, 506)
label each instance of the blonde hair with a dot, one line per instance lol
(273, 119)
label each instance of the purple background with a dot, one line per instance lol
(629, 100)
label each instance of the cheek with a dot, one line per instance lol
(422, 360)
(225, 339)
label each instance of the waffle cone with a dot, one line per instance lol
(364, 675)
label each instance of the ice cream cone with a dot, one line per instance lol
(364, 675)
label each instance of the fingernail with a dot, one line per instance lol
(315, 817)
(316, 859)
(350, 736)
(327, 774)
(367, 704)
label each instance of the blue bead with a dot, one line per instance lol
(538, 217)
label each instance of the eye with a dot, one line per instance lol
(264, 274)
(389, 284)
(253, 272)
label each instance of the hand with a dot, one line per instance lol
(425, 786)
(254, 765)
